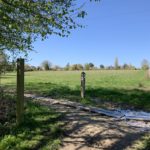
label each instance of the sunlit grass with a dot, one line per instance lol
(125, 87)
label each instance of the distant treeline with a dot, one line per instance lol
(6, 65)
(46, 65)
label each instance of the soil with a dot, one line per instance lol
(90, 131)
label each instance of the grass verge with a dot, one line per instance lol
(42, 129)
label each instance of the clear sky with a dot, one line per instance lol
(114, 28)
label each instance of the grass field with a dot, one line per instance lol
(123, 87)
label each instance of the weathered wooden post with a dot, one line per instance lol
(83, 84)
(20, 92)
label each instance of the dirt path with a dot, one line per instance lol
(90, 131)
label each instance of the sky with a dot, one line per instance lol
(113, 28)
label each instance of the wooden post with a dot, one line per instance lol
(20, 92)
(82, 84)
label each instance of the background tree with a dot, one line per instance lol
(46, 65)
(91, 65)
(56, 67)
(74, 67)
(79, 66)
(4, 61)
(116, 64)
(102, 66)
(87, 66)
(125, 66)
(28, 67)
(145, 64)
(67, 67)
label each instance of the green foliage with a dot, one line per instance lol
(89, 66)
(27, 67)
(102, 66)
(3, 62)
(76, 67)
(145, 64)
(23, 21)
(46, 65)
(116, 64)
(67, 67)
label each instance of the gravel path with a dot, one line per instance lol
(91, 131)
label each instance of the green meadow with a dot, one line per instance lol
(43, 127)
(124, 88)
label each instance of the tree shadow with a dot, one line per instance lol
(101, 97)
(41, 128)
(86, 130)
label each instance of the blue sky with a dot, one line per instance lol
(114, 28)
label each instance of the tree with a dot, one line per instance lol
(74, 67)
(79, 67)
(102, 66)
(22, 21)
(87, 67)
(116, 64)
(27, 67)
(56, 67)
(46, 65)
(67, 67)
(91, 65)
(3, 62)
(145, 64)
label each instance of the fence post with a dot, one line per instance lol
(83, 84)
(20, 92)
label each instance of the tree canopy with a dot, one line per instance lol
(22, 21)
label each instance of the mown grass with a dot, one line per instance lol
(126, 88)
(42, 129)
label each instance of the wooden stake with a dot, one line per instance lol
(20, 92)
(83, 85)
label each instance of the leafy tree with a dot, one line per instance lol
(91, 65)
(74, 67)
(46, 65)
(87, 66)
(102, 66)
(67, 67)
(125, 66)
(116, 64)
(56, 67)
(110, 67)
(39, 68)
(27, 67)
(22, 21)
(4, 61)
(80, 67)
(145, 64)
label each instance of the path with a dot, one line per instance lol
(90, 131)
